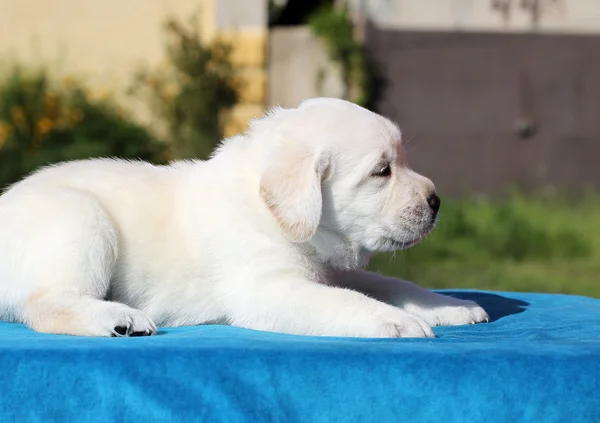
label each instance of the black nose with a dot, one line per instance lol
(434, 202)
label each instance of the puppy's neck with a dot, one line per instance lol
(329, 247)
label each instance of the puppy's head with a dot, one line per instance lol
(336, 175)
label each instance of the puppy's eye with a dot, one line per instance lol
(383, 172)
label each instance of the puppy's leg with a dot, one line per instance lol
(69, 313)
(296, 305)
(72, 254)
(435, 309)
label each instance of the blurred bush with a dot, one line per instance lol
(194, 93)
(42, 122)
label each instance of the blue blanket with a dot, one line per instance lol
(538, 360)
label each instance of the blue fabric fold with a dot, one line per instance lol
(538, 360)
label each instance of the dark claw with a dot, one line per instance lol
(121, 330)
(144, 333)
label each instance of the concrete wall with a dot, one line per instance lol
(555, 16)
(482, 112)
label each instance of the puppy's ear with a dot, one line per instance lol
(291, 187)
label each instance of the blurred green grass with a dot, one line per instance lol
(519, 243)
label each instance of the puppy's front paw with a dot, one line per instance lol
(131, 323)
(452, 312)
(114, 319)
(395, 324)
(467, 313)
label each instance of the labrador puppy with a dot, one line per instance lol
(269, 234)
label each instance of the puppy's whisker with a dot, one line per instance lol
(406, 141)
(414, 147)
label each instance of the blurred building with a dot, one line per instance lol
(489, 93)
(542, 16)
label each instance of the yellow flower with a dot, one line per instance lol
(44, 126)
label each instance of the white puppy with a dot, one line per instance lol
(268, 234)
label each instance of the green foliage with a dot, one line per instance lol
(42, 123)
(520, 243)
(335, 28)
(193, 95)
